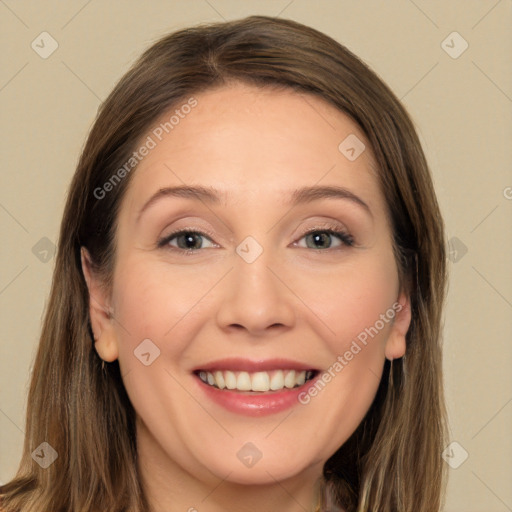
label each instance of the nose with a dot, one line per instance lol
(256, 298)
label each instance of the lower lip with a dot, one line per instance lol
(255, 404)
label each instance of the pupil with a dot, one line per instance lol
(191, 241)
(321, 239)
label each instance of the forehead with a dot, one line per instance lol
(249, 140)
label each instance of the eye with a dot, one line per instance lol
(326, 239)
(186, 240)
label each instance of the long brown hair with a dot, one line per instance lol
(392, 463)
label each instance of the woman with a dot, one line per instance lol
(246, 306)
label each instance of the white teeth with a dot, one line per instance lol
(219, 380)
(277, 380)
(243, 383)
(289, 380)
(230, 380)
(274, 380)
(260, 381)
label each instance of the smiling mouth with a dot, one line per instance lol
(262, 381)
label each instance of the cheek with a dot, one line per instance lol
(151, 302)
(356, 306)
(351, 301)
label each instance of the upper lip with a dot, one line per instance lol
(253, 365)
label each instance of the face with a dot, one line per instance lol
(255, 294)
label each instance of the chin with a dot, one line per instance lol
(266, 470)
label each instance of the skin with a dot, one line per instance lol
(297, 302)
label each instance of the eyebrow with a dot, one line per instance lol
(308, 194)
(206, 194)
(214, 196)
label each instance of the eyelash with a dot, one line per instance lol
(346, 238)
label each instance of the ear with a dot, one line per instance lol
(395, 344)
(100, 312)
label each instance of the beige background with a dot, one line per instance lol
(462, 107)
